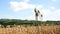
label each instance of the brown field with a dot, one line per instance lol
(31, 30)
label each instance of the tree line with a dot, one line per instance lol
(6, 22)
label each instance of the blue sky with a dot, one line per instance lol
(24, 9)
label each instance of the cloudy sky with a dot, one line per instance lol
(24, 9)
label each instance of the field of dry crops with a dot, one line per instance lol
(31, 30)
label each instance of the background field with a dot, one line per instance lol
(21, 29)
(13, 26)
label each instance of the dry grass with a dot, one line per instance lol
(31, 30)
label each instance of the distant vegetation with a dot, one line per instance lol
(6, 22)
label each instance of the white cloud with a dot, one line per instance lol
(48, 14)
(46, 11)
(39, 6)
(31, 18)
(26, 0)
(16, 6)
(57, 11)
(54, 0)
(53, 8)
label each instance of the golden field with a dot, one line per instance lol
(20, 29)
